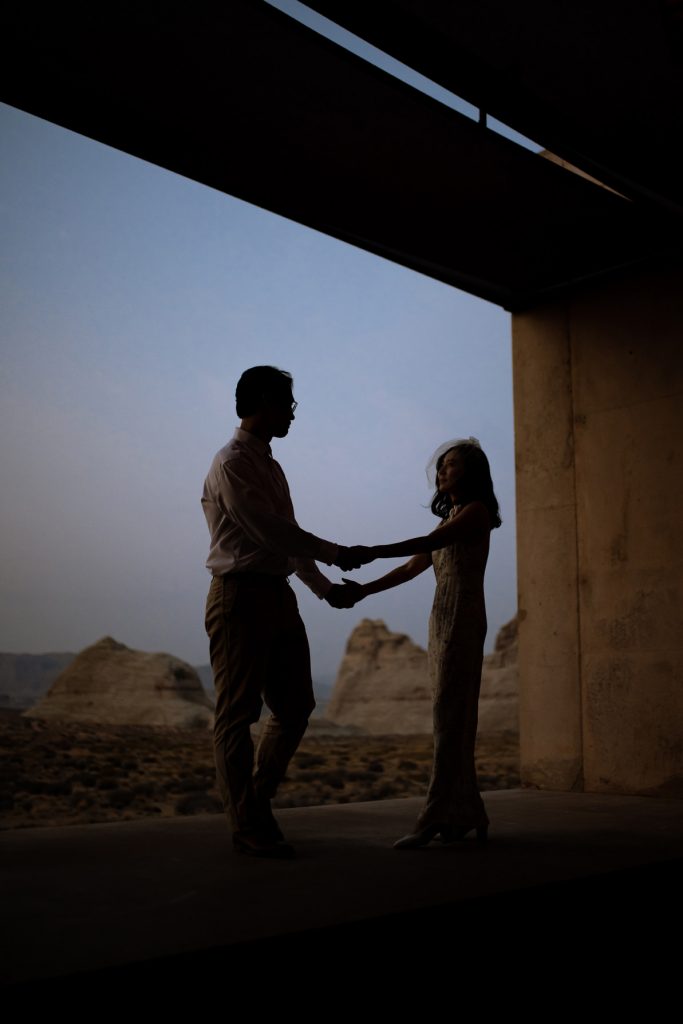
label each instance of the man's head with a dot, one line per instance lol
(264, 399)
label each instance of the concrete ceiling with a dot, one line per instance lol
(243, 99)
(598, 83)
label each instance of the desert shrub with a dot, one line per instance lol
(108, 782)
(149, 789)
(188, 785)
(198, 803)
(301, 800)
(60, 787)
(27, 785)
(119, 798)
(81, 800)
(310, 761)
(7, 783)
(383, 791)
(88, 779)
(333, 779)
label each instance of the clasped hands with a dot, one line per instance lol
(354, 557)
(348, 593)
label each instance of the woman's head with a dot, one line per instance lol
(463, 469)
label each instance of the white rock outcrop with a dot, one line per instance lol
(499, 694)
(115, 685)
(383, 684)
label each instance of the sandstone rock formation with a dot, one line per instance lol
(383, 684)
(499, 695)
(114, 685)
(25, 678)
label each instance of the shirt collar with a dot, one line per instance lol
(252, 441)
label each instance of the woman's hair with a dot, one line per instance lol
(476, 484)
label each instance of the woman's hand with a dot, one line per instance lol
(356, 590)
(344, 596)
(354, 557)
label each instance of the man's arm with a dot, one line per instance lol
(309, 573)
(337, 595)
(242, 501)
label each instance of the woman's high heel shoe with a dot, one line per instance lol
(453, 834)
(420, 838)
(447, 834)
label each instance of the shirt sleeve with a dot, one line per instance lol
(242, 501)
(309, 573)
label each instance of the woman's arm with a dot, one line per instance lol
(402, 574)
(411, 569)
(471, 524)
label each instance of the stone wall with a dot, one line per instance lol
(598, 424)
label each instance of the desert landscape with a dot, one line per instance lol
(67, 773)
(122, 734)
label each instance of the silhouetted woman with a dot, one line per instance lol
(458, 549)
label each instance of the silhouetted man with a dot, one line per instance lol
(258, 643)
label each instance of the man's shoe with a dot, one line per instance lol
(267, 821)
(261, 845)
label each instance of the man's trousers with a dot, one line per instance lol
(259, 652)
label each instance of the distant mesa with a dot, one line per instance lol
(112, 684)
(25, 678)
(383, 685)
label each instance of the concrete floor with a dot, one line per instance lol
(139, 902)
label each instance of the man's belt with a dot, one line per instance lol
(257, 577)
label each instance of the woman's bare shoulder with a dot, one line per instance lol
(440, 525)
(475, 518)
(478, 508)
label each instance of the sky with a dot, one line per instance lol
(132, 299)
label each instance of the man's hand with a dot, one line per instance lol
(344, 595)
(353, 558)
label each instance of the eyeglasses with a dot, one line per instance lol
(281, 400)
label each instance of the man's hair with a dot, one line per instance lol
(259, 383)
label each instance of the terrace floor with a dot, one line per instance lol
(141, 903)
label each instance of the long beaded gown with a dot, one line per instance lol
(457, 630)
